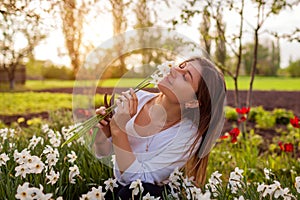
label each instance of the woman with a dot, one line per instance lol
(153, 134)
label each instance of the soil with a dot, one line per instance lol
(268, 99)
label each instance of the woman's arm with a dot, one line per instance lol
(126, 109)
(103, 145)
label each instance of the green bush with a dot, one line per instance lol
(54, 72)
(255, 111)
(282, 116)
(294, 68)
(265, 120)
(230, 113)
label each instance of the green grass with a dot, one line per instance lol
(260, 83)
(265, 83)
(31, 102)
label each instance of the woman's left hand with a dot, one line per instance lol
(126, 108)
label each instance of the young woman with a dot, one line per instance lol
(151, 134)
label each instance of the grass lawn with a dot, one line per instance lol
(31, 102)
(266, 83)
(260, 83)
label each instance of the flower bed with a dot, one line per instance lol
(32, 162)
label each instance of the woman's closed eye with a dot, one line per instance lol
(186, 77)
(182, 65)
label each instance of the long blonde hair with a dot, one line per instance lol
(211, 97)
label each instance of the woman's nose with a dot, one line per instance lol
(174, 72)
(179, 70)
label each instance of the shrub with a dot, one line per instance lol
(282, 116)
(265, 120)
(255, 111)
(230, 113)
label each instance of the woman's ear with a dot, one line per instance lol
(192, 104)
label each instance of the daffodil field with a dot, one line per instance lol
(243, 164)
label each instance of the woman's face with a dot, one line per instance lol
(181, 84)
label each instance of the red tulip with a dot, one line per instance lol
(233, 139)
(295, 122)
(225, 136)
(288, 147)
(234, 132)
(242, 119)
(242, 110)
(281, 146)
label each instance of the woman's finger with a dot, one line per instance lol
(127, 94)
(103, 122)
(100, 126)
(101, 110)
(134, 101)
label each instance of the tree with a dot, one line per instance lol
(20, 21)
(267, 59)
(265, 9)
(119, 27)
(294, 68)
(220, 39)
(234, 41)
(205, 30)
(73, 14)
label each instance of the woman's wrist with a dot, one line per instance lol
(101, 138)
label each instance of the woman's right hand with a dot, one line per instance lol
(104, 123)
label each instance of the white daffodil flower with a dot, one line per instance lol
(267, 173)
(21, 157)
(297, 184)
(45, 128)
(205, 196)
(22, 170)
(96, 194)
(3, 133)
(110, 184)
(3, 159)
(51, 160)
(149, 197)
(34, 141)
(37, 167)
(164, 69)
(73, 171)
(261, 187)
(215, 178)
(195, 192)
(136, 186)
(72, 157)
(240, 198)
(155, 79)
(52, 177)
(24, 192)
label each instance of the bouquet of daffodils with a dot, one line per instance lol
(82, 128)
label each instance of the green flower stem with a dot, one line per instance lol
(91, 122)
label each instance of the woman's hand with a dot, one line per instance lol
(126, 108)
(102, 145)
(104, 124)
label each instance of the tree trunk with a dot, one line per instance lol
(11, 78)
(253, 68)
(238, 65)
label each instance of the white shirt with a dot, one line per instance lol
(167, 150)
